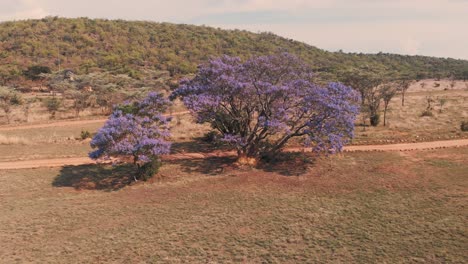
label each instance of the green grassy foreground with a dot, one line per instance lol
(360, 207)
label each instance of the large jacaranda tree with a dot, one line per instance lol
(138, 130)
(260, 104)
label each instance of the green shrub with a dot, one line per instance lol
(464, 126)
(427, 113)
(148, 170)
(85, 134)
(375, 120)
(53, 105)
(211, 137)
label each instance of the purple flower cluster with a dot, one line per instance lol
(138, 130)
(260, 104)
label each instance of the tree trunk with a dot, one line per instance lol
(135, 162)
(403, 99)
(385, 116)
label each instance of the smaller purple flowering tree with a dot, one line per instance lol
(260, 104)
(138, 130)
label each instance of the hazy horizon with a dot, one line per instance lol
(429, 28)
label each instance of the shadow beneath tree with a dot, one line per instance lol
(289, 164)
(95, 177)
(209, 166)
(286, 164)
(197, 145)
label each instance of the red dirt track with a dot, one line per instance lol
(59, 162)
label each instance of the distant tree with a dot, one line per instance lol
(137, 130)
(429, 100)
(34, 72)
(108, 96)
(452, 81)
(367, 84)
(81, 100)
(462, 74)
(388, 91)
(428, 111)
(9, 99)
(27, 107)
(259, 105)
(442, 101)
(372, 104)
(403, 83)
(53, 105)
(8, 73)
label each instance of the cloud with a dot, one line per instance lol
(410, 46)
(270, 5)
(21, 9)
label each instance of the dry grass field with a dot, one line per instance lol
(406, 123)
(378, 207)
(359, 207)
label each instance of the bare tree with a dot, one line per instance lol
(367, 84)
(429, 101)
(27, 107)
(9, 99)
(442, 101)
(53, 105)
(402, 86)
(388, 91)
(81, 100)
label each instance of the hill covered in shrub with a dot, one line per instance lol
(136, 47)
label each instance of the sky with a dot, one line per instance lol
(415, 27)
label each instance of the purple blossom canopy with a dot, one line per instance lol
(135, 129)
(260, 104)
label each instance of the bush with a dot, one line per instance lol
(53, 105)
(427, 113)
(34, 72)
(141, 134)
(464, 126)
(375, 120)
(211, 137)
(149, 169)
(85, 134)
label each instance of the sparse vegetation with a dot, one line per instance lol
(403, 85)
(85, 134)
(388, 91)
(83, 46)
(53, 105)
(441, 101)
(429, 107)
(8, 100)
(427, 113)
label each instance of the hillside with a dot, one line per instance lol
(134, 47)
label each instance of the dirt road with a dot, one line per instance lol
(67, 123)
(28, 164)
